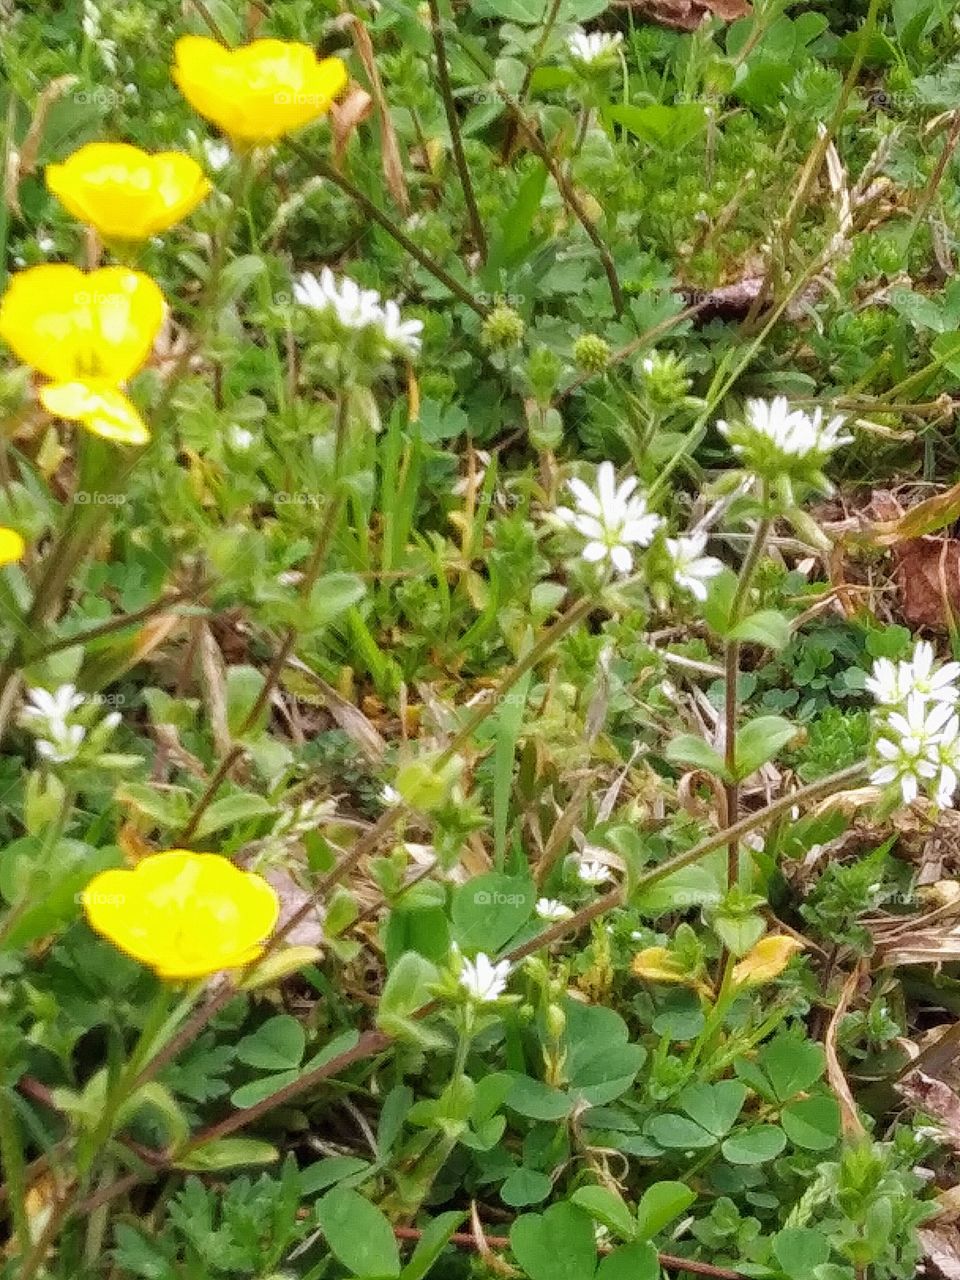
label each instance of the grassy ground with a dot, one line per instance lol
(614, 853)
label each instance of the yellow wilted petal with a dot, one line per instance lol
(126, 193)
(12, 546)
(657, 964)
(103, 410)
(184, 914)
(766, 961)
(258, 92)
(76, 326)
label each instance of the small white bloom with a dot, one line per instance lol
(354, 307)
(239, 437)
(482, 979)
(51, 708)
(610, 518)
(596, 46)
(552, 909)
(64, 742)
(359, 309)
(793, 434)
(692, 569)
(594, 873)
(911, 754)
(217, 154)
(400, 333)
(893, 683)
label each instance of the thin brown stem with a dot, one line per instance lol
(453, 125)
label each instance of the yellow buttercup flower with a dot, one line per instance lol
(258, 92)
(126, 193)
(185, 915)
(12, 546)
(88, 333)
(766, 961)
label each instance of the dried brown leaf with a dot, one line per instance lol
(937, 1099)
(389, 147)
(346, 115)
(941, 1249)
(849, 1116)
(686, 15)
(928, 578)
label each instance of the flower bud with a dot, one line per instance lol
(556, 1021)
(503, 328)
(664, 378)
(591, 353)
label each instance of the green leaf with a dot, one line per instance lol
(755, 1145)
(228, 1153)
(431, 1244)
(638, 1261)
(489, 909)
(248, 1095)
(514, 242)
(714, 1106)
(243, 686)
(792, 1063)
(407, 988)
(232, 809)
(524, 1187)
(275, 1046)
(556, 1245)
(812, 1123)
(799, 1250)
(333, 594)
(334, 1169)
(604, 1205)
(673, 1131)
(538, 1101)
(660, 1204)
(767, 627)
(721, 594)
(759, 741)
(696, 753)
(601, 1061)
(358, 1234)
(662, 125)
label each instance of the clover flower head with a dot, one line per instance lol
(612, 518)
(593, 47)
(359, 309)
(692, 570)
(483, 979)
(594, 873)
(552, 909)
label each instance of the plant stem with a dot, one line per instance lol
(377, 215)
(14, 1170)
(453, 125)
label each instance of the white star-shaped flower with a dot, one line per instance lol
(911, 754)
(597, 46)
(552, 909)
(692, 570)
(594, 873)
(611, 518)
(483, 979)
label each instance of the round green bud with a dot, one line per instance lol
(664, 378)
(591, 353)
(502, 328)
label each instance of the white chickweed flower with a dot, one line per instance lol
(64, 742)
(611, 519)
(772, 430)
(483, 979)
(552, 909)
(911, 752)
(594, 873)
(692, 570)
(359, 309)
(354, 307)
(597, 46)
(893, 683)
(44, 707)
